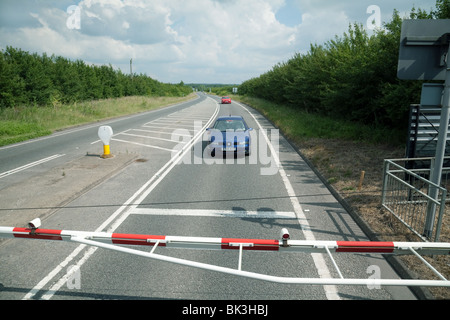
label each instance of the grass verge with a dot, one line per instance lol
(341, 152)
(24, 123)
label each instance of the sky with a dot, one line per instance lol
(194, 41)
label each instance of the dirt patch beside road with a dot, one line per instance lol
(41, 195)
(341, 163)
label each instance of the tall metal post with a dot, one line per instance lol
(131, 68)
(440, 150)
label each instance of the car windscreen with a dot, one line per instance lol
(232, 125)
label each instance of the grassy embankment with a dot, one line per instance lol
(23, 123)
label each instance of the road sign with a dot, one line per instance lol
(423, 49)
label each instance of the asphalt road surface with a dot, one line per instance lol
(150, 191)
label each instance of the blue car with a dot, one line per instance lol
(229, 134)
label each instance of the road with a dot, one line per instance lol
(151, 193)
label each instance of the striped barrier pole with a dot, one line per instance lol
(428, 248)
(113, 241)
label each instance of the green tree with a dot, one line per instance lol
(353, 76)
(42, 80)
(442, 9)
(12, 85)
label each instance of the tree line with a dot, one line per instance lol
(353, 76)
(33, 79)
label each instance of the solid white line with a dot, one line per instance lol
(116, 218)
(215, 213)
(166, 121)
(114, 135)
(172, 125)
(169, 133)
(166, 128)
(143, 145)
(330, 290)
(149, 137)
(30, 165)
(185, 118)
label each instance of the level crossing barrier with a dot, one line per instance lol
(121, 242)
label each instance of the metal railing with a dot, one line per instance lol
(406, 194)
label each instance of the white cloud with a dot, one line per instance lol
(191, 40)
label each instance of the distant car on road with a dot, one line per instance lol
(226, 100)
(229, 134)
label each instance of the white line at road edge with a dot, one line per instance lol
(124, 211)
(330, 290)
(30, 165)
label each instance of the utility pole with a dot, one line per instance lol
(131, 68)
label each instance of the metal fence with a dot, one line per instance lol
(406, 194)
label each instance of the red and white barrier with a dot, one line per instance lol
(230, 243)
(115, 241)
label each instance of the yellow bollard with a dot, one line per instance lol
(105, 133)
(106, 152)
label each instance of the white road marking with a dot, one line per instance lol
(142, 145)
(116, 219)
(167, 121)
(30, 165)
(330, 290)
(131, 204)
(215, 213)
(149, 137)
(168, 128)
(168, 133)
(114, 135)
